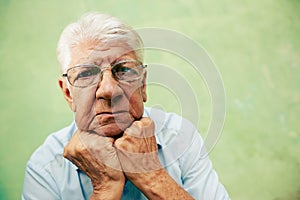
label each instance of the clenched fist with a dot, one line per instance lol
(96, 156)
(137, 149)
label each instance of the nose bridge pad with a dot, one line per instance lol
(107, 84)
(103, 69)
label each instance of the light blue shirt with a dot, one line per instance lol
(50, 176)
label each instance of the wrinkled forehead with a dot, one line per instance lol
(100, 53)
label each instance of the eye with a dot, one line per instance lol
(87, 72)
(125, 72)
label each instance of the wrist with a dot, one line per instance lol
(159, 185)
(150, 182)
(108, 190)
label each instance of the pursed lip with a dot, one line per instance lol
(107, 113)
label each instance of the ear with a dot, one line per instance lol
(66, 92)
(144, 93)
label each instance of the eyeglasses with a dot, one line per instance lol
(84, 75)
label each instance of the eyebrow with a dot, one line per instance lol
(119, 59)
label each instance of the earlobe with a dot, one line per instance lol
(144, 92)
(66, 92)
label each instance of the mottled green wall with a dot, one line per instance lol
(254, 43)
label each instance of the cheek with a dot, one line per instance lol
(136, 104)
(84, 98)
(134, 98)
(83, 104)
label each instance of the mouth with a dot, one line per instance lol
(109, 113)
(112, 117)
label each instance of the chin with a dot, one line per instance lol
(110, 130)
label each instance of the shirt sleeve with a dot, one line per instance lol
(38, 184)
(198, 175)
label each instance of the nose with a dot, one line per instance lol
(108, 87)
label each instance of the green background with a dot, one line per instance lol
(254, 43)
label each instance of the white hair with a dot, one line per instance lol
(98, 27)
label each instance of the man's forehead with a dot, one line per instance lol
(101, 52)
(108, 54)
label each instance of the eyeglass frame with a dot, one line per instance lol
(110, 66)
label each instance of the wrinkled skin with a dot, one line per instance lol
(109, 107)
(113, 142)
(100, 164)
(137, 148)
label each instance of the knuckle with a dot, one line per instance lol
(65, 153)
(138, 124)
(120, 143)
(79, 148)
(151, 124)
(147, 122)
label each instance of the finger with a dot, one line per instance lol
(143, 128)
(73, 147)
(138, 162)
(101, 149)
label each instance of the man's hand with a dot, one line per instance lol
(137, 148)
(96, 156)
(138, 155)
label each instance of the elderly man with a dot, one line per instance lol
(115, 149)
